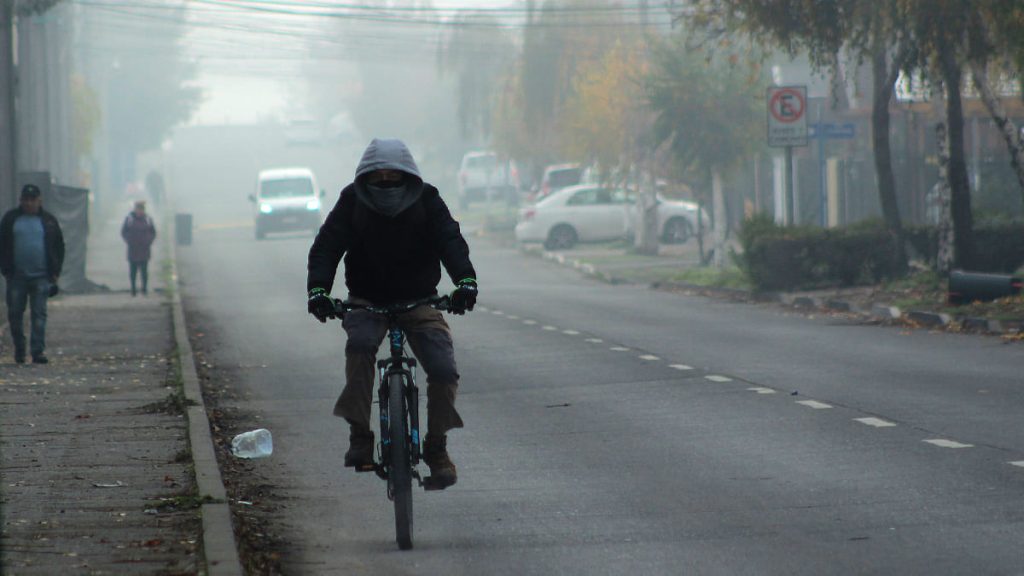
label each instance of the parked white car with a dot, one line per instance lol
(591, 213)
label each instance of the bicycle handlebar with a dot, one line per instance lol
(442, 303)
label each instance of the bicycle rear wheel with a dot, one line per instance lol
(401, 461)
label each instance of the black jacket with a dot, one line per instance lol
(389, 260)
(53, 239)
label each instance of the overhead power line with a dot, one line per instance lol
(588, 17)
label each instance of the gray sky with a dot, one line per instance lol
(250, 61)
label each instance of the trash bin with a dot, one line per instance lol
(967, 287)
(183, 229)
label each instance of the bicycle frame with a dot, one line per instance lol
(399, 433)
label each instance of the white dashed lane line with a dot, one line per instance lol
(876, 422)
(943, 443)
(868, 421)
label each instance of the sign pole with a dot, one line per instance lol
(789, 186)
(787, 127)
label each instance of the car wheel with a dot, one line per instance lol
(561, 237)
(677, 231)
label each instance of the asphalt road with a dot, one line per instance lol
(620, 430)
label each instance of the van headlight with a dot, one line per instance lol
(313, 204)
(266, 208)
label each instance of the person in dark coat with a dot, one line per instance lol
(31, 258)
(138, 232)
(395, 232)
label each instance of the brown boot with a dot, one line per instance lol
(442, 470)
(360, 451)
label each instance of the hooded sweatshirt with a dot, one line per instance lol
(393, 243)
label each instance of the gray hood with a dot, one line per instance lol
(390, 154)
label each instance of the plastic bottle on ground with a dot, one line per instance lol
(253, 444)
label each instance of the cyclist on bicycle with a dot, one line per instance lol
(395, 232)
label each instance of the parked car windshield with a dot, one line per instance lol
(286, 188)
(481, 162)
(564, 177)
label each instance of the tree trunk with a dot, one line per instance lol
(647, 213)
(1011, 134)
(944, 228)
(960, 189)
(720, 221)
(884, 81)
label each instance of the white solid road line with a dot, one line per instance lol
(876, 422)
(943, 443)
(680, 366)
(760, 390)
(814, 404)
(717, 378)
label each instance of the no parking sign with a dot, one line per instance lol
(787, 115)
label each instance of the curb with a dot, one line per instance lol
(220, 550)
(923, 318)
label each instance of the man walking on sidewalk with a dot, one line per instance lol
(31, 258)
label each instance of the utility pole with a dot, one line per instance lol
(8, 129)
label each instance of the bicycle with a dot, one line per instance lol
(399, 447)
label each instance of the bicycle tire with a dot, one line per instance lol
(401, 461)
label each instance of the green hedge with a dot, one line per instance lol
(803, 257)
(998, 247)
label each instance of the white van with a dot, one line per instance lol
(286, 199)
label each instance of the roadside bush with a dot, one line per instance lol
(803, 257)
(998, 246)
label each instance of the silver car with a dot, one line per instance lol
(590, 213)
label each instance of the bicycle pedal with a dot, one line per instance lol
(371, 467)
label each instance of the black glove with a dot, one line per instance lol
(320, 304)
(54, 290)
(464, 296)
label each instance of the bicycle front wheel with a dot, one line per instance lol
(401, 461)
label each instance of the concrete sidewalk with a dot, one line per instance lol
(97, 465)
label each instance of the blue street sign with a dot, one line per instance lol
(832, 131)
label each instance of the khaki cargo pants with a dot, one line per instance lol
(431, 341)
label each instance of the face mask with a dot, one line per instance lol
(387, 199)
